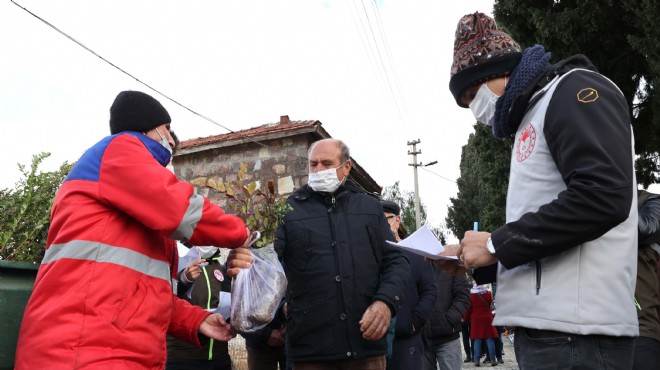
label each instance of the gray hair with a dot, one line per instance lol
(344, 152)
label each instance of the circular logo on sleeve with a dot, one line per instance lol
(218, 275)
(588, 95)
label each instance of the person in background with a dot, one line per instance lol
(481, 323)
(265, 347)
(407, 346)
(202, 279)
(465, 335)
(442, 345)
(499, 344)
(344, 281)
(647, 296)
(569, 245)
(103, 294)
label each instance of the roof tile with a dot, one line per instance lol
(268, 128)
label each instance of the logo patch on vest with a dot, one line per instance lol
(587, 95)
(525, 144)
(218, 275)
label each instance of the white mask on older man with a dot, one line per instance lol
(325, 180)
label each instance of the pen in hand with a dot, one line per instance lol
(475, 228)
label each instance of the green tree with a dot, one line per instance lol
(406, 200)
(619, 37)
(25, 211)
(483, 183)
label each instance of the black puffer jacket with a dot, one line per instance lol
(337, 263)
(444, 324)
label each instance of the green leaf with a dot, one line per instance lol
(26, 211)
(251, 187)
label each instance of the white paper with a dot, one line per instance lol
(224, 305)
(188, 258)
(424, 243)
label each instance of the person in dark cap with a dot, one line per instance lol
(565, 261)
(421, 294)
(393, 215)
(103, 295)
(647, 289)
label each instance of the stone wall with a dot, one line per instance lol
(283, 160)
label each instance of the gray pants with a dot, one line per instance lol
(447, 356)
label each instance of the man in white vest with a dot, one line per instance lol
(565, 262)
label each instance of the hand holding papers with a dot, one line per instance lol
(423, 243)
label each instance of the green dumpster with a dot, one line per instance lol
(16, 282)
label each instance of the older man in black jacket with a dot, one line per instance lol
(345, 281)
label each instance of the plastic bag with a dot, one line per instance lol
(256, 292)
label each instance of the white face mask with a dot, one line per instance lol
(325, 180)
(206, 252)
(164, 142)
(483, 105)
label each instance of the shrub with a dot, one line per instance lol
(25, 211)
(260, 210)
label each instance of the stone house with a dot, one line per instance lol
(274, 151)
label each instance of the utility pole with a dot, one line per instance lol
(414, 153)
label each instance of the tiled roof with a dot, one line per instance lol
(268, 128)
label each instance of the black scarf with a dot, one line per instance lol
(534, 62)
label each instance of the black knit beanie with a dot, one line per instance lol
(136, 111)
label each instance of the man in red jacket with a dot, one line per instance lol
(103, 295)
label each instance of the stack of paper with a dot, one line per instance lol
(423, 243)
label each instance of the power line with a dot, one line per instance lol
(388, 53)
(373, 60)
(364, 38)
(380, 57)
(389, 91)
(149, 86)
(440, 176)
(142, 82)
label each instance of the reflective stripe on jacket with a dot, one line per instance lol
(103, 294)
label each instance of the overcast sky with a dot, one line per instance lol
(375, 74)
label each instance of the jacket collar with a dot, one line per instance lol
(307, 192)
(159, 152)
(521, 102)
